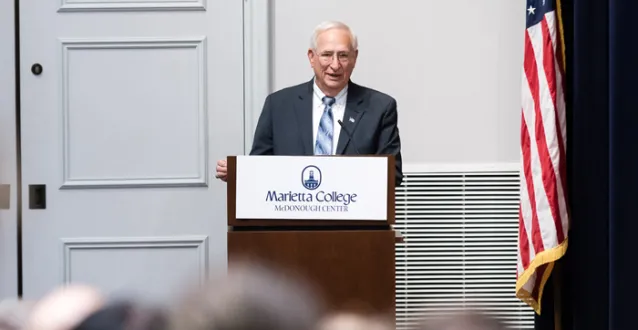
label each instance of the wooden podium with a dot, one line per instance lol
(327, 219)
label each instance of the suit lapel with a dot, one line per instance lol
(303, 111)
(351, 117)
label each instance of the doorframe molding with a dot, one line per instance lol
(10, 215)
(257, 63)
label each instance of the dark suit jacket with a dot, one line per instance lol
(285, 124)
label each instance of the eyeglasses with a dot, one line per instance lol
(328, 57)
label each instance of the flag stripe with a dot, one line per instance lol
(549, 109)
(555, 82)
(536, 239)
(527, 250)
(523, 242)
(538, 86)
(541, 184)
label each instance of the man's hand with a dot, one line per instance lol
(222, 170)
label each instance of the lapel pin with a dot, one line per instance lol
(351, 120)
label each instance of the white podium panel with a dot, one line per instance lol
(312, 188)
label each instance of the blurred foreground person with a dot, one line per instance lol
(466, 320)
(124, 315)
(64, 308)
(14, 313)
(350, 321)
(248, 297)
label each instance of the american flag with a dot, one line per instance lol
(543, 209)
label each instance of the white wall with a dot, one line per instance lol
(8, 218)
(454, 67)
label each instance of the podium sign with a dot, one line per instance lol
(312, 188)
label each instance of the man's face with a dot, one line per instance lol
(333, 60)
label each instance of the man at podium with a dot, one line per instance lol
(328, 115)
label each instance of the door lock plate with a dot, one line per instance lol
(37, 196)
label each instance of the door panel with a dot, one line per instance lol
(136, 264)
(8, 154)
(123, 127)
(147, 119)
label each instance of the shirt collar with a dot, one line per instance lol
(320, 94)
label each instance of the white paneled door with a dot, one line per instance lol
(126, 106)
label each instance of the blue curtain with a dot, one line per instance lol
(595, 287)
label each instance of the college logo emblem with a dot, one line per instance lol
(311, 177)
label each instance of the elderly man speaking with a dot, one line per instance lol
(328, 115)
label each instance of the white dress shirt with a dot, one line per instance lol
(338, 109)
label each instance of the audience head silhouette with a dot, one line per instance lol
(248, 297)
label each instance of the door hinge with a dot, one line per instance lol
(5, 196)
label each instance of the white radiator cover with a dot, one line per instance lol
(460, 229)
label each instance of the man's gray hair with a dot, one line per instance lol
(329, 25)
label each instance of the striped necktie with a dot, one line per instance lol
(323, 146)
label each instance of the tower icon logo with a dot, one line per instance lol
(311, 177)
